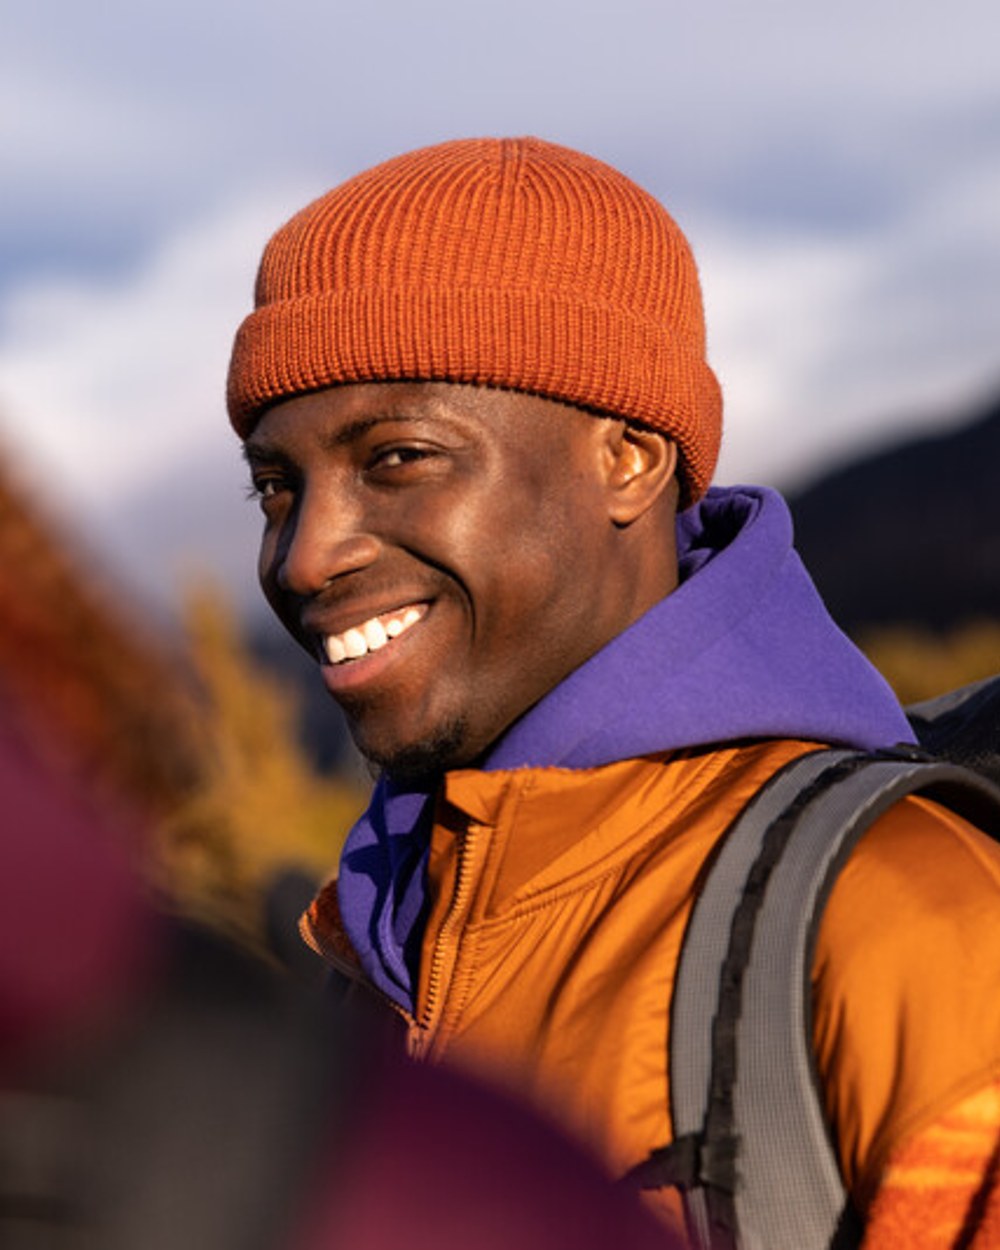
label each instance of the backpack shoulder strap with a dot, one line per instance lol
(962, 726)
(744, 1100)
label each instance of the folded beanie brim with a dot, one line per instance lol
(532, 341)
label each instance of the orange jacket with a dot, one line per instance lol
(559, 903)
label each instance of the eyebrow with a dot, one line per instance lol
(261, 451)
(359, 428)
(258, 453)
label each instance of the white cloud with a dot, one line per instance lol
(112, 397)
(108, 380)
(829, 344)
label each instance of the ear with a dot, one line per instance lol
(642, 470)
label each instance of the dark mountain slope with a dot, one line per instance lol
(911, 535)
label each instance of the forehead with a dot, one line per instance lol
(339, 414)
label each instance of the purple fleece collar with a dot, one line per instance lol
(743, 648)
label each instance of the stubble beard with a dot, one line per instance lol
(422, 762)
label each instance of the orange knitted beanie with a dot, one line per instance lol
(505, 262)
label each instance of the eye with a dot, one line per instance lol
(398, 456)
(266, 486)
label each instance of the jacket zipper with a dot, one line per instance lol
(424, 1029)
(353, 973)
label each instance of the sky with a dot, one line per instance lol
(837, 169)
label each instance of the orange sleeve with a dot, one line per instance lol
(907, 985)
(941, 1190)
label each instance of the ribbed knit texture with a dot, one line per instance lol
(504, 262)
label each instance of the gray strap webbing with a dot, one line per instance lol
(706, 944)
(786, 1192)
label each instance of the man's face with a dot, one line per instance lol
(444, 551)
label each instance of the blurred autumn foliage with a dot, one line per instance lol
(104, 694)
(187, 734)
(258, 804)
(919, 663)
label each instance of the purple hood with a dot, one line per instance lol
(743, 648)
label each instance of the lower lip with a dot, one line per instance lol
(352, 674)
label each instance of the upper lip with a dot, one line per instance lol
(317, 622)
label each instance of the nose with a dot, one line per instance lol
(323, 539)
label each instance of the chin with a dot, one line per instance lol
(420, 760)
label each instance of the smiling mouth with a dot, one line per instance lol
(371, 635)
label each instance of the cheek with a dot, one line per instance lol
(549, 585)
(532, 591)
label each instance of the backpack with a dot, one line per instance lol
(744, 1091)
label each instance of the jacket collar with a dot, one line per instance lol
(743, 648)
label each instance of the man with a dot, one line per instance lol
(478, 415)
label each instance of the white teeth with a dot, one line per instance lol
(335, 649)
(372, 635)
(354, 644)
(375, 635)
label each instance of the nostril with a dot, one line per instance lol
(310, 563)
(282, 578)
